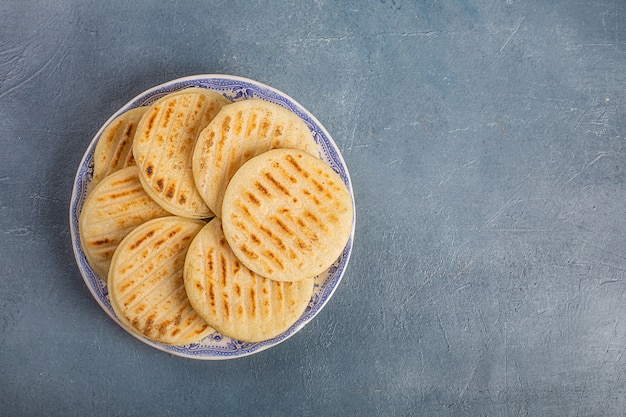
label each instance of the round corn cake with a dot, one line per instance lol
(163, 148)
(114, 149)
(240, 131)
(287, 215)
(112, 209)
(146, 285)
(234, 300)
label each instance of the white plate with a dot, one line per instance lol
(215, 346)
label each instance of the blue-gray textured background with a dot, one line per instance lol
(485, 141)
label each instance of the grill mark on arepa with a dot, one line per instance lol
(128, 211)
(307, 222)
(223, 298)
(278, 131)
(159, 185)
(223, 277)
(253, 126)
(102, 242)
(146, 139)
(253, 292)
(321, 188)
(152, 283)
(248, 252)
(165, 120)
(211, 299)
(122, 154)
(178, 321)
(312, 197)
(303, 172)
(285, 172)
(140, 240)
(280, 244)
(309, 215)
(209, 270)
(231, 165)
(175, 300)
(176, 147)
(193, 324)
(199, 106)
(129, 130)
(239, 123)
(131, 298)
(265, 298)
(113, 132)
(265, 126)
(154, 112)
(156, 147)
(276, 241)
(221, 143)
(101, 251)
(288, 176)
(171, 189)
(300, 241)
(156, 255)
(275, 258)
(310, 233)
(218, 161)
(277, 184)
(116, 196)
(180, 193)
(121, 182)
(245, 152)
(290, 233)
(248, 219)
(223, 149)
(253, 199)
(263, 190)
(279, 295)
(123, 199)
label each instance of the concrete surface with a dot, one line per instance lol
(486, 144)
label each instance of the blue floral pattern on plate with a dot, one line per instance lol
(215, 346)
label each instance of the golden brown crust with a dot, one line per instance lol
(287, 215)
(163, 148)
(146, 285)
(239, 132)
(114, 149)
(112, 209)
(234, 300)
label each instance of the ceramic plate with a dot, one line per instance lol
(215, 346)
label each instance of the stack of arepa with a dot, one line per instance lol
(210, 215)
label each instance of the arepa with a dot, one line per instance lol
(287, 215)
(114, 149)
(240, 131)
(234, 300)
(112, 209)
(163, 147)
(146, 285)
